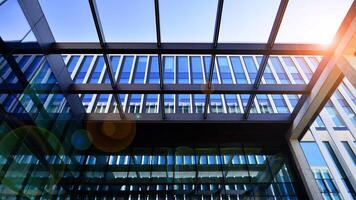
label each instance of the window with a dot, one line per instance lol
(303, 64)
(98, 68)
(126, 68)
(182, 67)
(345, 106)
(268, 75)
(349, 151)
(336, 118)
(79, 78)
(280, 103)
(154, 71)
(238, 70)
(141, 62)
(224, 70)
(197, 70)
(264, 103)
(168, 69)
(251, 67)
(293, 70)
(282, 75)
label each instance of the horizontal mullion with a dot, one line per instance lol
(168, 48)
(155, 89)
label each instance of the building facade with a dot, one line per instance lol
(237, 171)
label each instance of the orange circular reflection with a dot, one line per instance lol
(112, 136)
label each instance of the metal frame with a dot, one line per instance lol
(272, 37)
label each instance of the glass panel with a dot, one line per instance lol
(70, 21)
(183, 68)
(140, 71)
(153, 74)
(238, 70)
(199, 103)
(196, 69)
(127, 20)
(251, 67)
(15, 27)
(247, 21)
(224, 69)
(126, 67)
(281, 73)
(168, 69)
(195, 25)
(316, 25)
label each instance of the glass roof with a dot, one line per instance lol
(242, 21)
(314, 21)
(70, 21)
(15, 27)
(187, 21)
(127, 20)
(258, 17)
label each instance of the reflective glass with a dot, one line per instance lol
(196, 69)
(311, 21)
(140, 70)
(14, 25)
(126, 67)
(224, 69)
(70, 21)
(195, 25)
(127, 20)
(238, 70)
(247, 20)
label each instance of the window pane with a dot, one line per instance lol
(247, 20)
(127, 20)
(70, 21)
(314, 21)
(187, 21)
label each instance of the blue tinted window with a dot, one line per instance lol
(115, 64)
(87, 98)
(293, 70)
(197, 70)
(168, 65)
(126, 68)
(141, 62)
(279, 70)
(182, 67)
(83, 69)
(264, 103)
(232, 104)
(207, 62)
(33, 66)
(154, 70)
(336, 118)
(315, 63)
(280, 103)
(224, 69)
(313, 154)
(199, 102)
(293, 99)
(251, 67)
(72, 63)
(303, 64)
(238, 70)
(98, 67)
(23, 61)
(349, 151)
(268, 76)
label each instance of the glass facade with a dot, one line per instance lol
(155, 104)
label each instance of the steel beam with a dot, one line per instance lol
(40, 28)
(155, 89)
(325, 80)
(168, 48)
(272, 37)
(213, 55)
(101, 36)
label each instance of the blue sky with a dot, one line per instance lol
(305, 21)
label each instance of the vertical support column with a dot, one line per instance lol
(304, 170)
